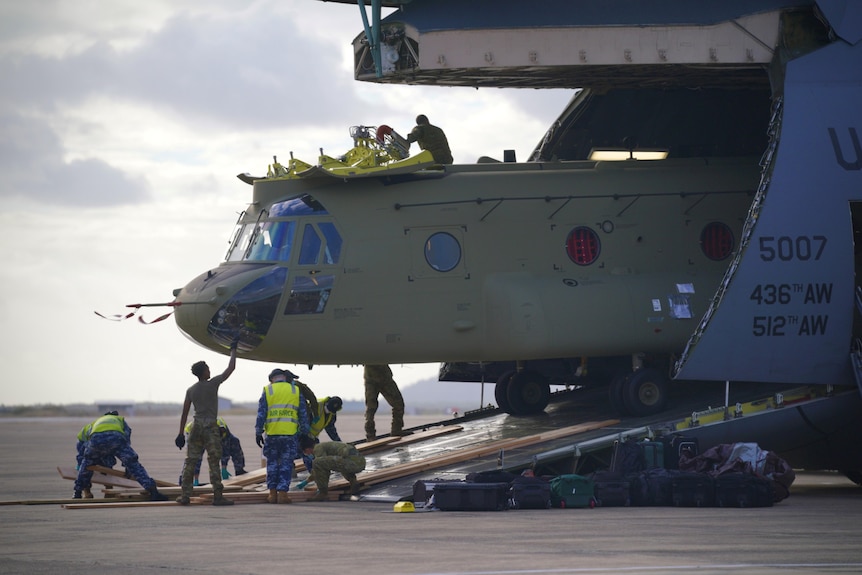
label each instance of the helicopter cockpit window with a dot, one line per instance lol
(310, 250)
(250, 311)
(304, 205)
(273, 241)
(309, 294)
(442, 252)
(239, 245)
(332, 253)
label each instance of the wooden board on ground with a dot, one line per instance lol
(109, 477)
(412, 438)
(100, 478)
(256, 476)
(374, 444)
(91, 505)
(68, 501)
(175, 491)
(118, 473)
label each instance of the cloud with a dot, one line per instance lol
(33, 167)
(240, 70)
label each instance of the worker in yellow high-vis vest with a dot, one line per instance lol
(281, 415)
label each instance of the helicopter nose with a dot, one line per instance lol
(231, 302)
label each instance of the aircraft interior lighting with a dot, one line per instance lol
(616, 155)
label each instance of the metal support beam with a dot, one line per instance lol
(372, 34)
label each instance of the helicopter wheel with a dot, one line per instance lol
(528, 393)
(500, 391)
(645, 392)
(617, 393)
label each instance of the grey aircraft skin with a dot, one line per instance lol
(733, 259)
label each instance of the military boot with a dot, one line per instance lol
(284, 498)
(156, 495)
(273, 496)
(319, 496)
(222, 500)
(354, 483)
(87, 494)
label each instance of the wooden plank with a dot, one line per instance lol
(108, 476)
(118, 473)
(91, 505)
(370, 445)
(256, 476)
(59, 501)
(173, 491)
(414, 437)
(100, 478)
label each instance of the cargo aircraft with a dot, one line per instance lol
(693, 214)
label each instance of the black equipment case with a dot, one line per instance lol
(423, 489)
(653, 487)
(611, 489)
(461, 496)
(529, 493)
(692, 489)
(743, 490)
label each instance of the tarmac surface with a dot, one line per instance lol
(815, 530)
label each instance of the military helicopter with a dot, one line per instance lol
(692, 214)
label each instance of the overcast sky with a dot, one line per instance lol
(122, 127)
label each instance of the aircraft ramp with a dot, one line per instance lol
(577, 432)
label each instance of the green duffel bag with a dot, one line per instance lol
(572, 491)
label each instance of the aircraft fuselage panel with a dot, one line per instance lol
(788, 310)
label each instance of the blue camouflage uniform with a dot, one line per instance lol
(281, 420)
(83, 437)
(110, 437)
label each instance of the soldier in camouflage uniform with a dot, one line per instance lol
(431, 138)
(378, 381)
(231, 449)
(332, 456)
(205, 434)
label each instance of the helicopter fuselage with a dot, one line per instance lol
(480, 262)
